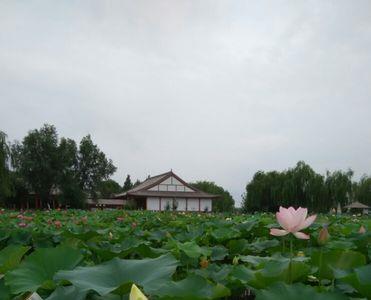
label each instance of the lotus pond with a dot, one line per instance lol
(99, 255)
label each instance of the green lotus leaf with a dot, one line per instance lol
(272, 271)
(215, 272)
(192, 287)
(225, 233)
(218, 252)
(191, 249)
(4, 291)
(66, 293)
(260, 246)
(238, 247)
(337, 259)
(282, 291)
(38, 269)
(104, 278)
(360, 280)
(11, 256)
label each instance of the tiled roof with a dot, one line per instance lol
(143, 189)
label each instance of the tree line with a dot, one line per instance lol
(44, 165)
(302, 186)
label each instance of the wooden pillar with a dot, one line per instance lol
(186, 204)
(159, 205)
(199, 204)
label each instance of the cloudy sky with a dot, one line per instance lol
(215, 90)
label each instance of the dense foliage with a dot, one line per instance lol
(302, 186)
(44, 164)
(226, 201)
(98, 255)
(4, 167)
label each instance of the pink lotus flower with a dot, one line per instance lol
(22, 224)
(292, 221)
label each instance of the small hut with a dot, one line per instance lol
(357, 206)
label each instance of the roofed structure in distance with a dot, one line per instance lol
(168, 190)
(357, 205)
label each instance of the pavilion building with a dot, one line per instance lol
(168, 192)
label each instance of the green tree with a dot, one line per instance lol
(5, 185)
(93, 166)
(225, 203)
(109, 188)
(362, 190)
(339, 187)
(136, 183)
(37, 160)
(298, 186)
(71, 194)
(127, 184)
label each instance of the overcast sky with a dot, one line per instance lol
(215, 90)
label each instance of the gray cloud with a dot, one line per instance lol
(213, 89)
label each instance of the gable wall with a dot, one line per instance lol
(171, 184)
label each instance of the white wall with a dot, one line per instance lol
(181, 204)
(164, 202)
(153, 203)
(192, 205)
(206, 203)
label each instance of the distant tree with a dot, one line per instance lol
(339, 187)
(136, 183)
(109, 188)
(127, 184)
(43, 163)
(225, 203)
(298, 186)
(93, 166)
(5, 184)
(72, 195)
(362, 190)
(37, 160)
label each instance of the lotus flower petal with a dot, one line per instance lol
(301, 235)
(284, 218)
(308, 221)
(300, 216)
(278, 232)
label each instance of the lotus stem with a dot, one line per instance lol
(290, 265)
(320, 267)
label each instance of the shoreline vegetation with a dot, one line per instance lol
(174, 255)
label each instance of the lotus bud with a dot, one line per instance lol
(362, 230)
(204, 263)
(300, 254)
(110, 235)
(58, 224)
(136, 294)
(236, 260)
(323, 236)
